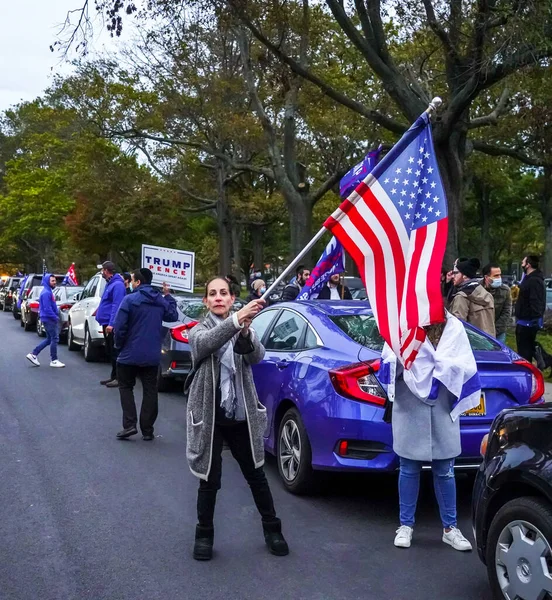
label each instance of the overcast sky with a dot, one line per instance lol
(27, 28)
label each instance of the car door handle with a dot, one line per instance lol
(283, 364)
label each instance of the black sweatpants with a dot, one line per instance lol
(111, 351)
(525, 340)
(236, 436)
(127, 380)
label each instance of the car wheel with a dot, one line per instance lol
(91, 353)
(28, 326)
(22, 322)
(519, 553)
(163, 383)
(16, 315)
(294, 454)
(39, 329)
(71, 345)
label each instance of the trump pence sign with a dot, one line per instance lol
(175, 267)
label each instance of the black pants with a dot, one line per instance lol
(237, 437)
(127, 380)
(525, 340)
(111, 351)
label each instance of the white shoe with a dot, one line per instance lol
(455, 539)
(404, 536)
(31, 357)
(57, 364)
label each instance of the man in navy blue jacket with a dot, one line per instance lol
(138, 339)
(112, 297)
(49, 316)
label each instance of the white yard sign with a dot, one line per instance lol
(175, 267)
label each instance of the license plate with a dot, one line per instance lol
(479, 410)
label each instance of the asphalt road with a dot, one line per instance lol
(85, 516)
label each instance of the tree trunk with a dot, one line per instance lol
(483, 193)
(546, 211)
(300, 224)
(257, 234)
(224, 225)
(237, 234)
(450, 148)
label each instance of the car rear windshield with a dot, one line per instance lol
(363, 330)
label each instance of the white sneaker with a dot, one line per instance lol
(57, 364)
(455, 539)
(31, 357)
(404, 536)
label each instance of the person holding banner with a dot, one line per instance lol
(223, 406)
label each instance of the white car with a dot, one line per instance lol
(84, 331)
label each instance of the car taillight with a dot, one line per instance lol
(65, 306)
(33, 304)
(358, 382)
(180, 333)
(537, 380)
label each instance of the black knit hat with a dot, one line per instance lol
(469, 267)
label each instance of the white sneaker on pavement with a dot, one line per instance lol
(57, 364)
(404, 536)
(32, 358)
(455, 539)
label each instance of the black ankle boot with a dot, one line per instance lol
(203, 547)
(274, 539)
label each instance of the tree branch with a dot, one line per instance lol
(492, 150)
(440, 32)
(326, 186)
(492, 117)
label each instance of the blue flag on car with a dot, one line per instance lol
(331, 262)
(358, 173)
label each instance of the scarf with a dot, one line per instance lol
(225, 354)
(451, 364)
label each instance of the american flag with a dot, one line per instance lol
(71, 277)
(394, 225)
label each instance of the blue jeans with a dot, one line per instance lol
(443, 482)
(52, 339)
(501, 337)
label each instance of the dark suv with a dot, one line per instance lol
(512, 504)
(7, 292)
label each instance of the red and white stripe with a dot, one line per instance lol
(401, 270)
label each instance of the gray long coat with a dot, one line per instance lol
(205, 339)
(423, 432)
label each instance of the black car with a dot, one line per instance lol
(512, 504)
(7, 292)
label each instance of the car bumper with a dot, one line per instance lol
(175, 364)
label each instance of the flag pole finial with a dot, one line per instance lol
(434, 105)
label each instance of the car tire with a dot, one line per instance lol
(531, 519)
(39, 329)
(16, 315)
(71, 344)
(163, 383)
(22, 322)
(28, 326)
(294, 456)
(91, 353)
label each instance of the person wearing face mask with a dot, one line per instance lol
(471, 302)
(492, 281)
(530, 307)
(223, 406)
(258, 288)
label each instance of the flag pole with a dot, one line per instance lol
(434, 105)
(294, 262)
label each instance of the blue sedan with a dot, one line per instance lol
(326, 407)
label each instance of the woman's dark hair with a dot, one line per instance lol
(222, 278)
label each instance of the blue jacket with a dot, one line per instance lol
(139, 329)
(47, 307)
(112, 297)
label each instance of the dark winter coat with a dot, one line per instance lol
(503, 307)
(139, 326)
(112, 297)
(531, 302)
(291, 291)
(47, 306)
(344, 293)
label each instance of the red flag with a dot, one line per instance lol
(394, 225)
(71, 276)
